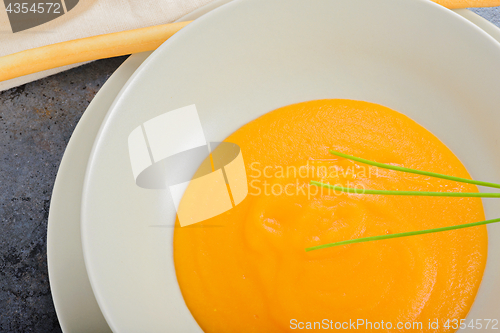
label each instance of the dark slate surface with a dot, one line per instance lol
(491, 14)
(36, 122)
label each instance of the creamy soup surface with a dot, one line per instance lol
(246, 270)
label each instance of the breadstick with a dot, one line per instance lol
(86, 49)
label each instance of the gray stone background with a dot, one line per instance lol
(36, 122)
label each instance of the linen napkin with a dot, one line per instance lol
(95, 17)
(88, 18)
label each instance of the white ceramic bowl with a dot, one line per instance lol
(252, 56)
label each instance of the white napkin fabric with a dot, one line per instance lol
(89, 18)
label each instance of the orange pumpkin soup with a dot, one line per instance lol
(246, 270)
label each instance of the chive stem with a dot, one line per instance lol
(402, 234)
(414, 171)
(407, 193)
